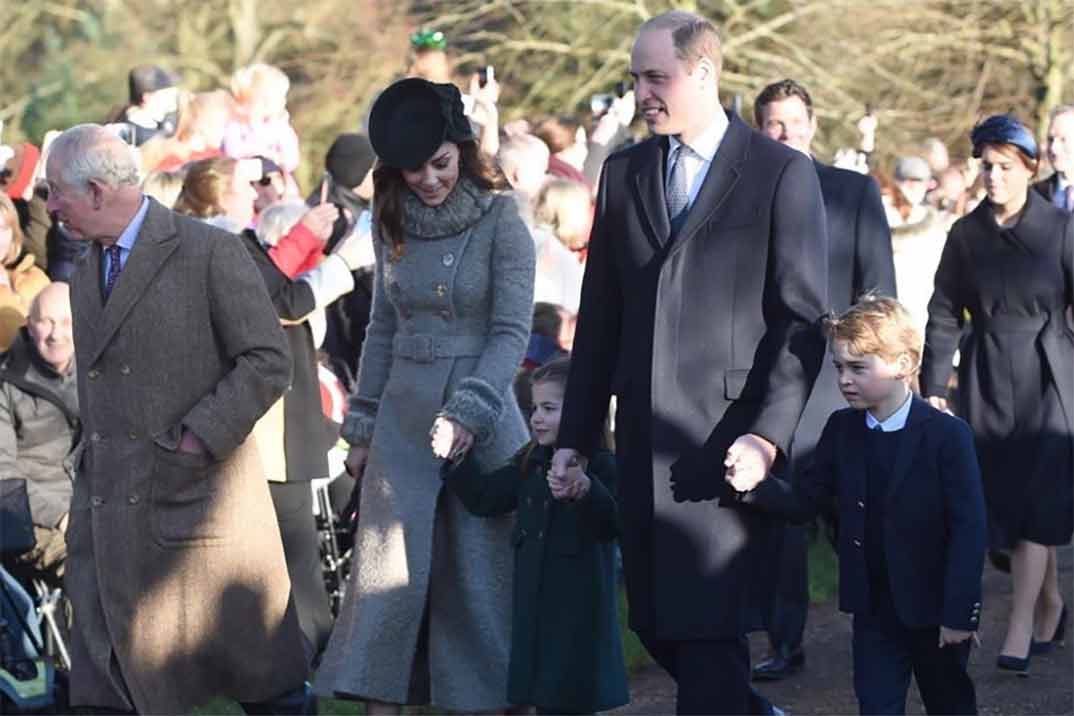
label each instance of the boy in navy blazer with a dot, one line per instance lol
(912, 516)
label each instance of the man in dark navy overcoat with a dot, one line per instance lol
(706, 275)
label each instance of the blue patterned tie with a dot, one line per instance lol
(114, 268)
(678, 194)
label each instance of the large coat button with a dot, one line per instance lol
(441, 290)
(93, 374)
(448, 259)
(125, 370)
(96, 501)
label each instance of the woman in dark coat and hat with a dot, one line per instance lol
(1006, 269)
(426, 618)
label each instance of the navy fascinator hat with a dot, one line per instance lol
(1003, 129)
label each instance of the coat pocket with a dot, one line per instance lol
(184, 508)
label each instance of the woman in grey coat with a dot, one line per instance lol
(427, 616)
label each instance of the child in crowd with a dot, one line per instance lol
(912, 516)
(262, 127)
(566, 652)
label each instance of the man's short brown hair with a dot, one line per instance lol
(880, 326)
(777, 92)
(694, 36)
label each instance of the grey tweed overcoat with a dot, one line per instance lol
(175, 566)
(427, 614)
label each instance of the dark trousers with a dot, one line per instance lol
(886, 653)
(298, 529)
(786, 618)
(713, 677)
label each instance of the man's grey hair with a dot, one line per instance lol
(88, 152)
(1060, 111)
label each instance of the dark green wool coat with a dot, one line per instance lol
(566, 652)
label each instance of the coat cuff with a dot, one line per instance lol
(475, 405)
(359, 422)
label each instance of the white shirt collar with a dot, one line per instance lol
(706, 143)
(895, 421)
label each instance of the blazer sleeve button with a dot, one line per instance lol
(857, 543)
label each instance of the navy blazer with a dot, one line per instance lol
(934, 535)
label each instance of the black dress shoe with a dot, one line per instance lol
(779, 667)
(1013, 663)
(1059, 636)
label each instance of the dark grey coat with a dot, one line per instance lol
(859, 260)
(703, 337)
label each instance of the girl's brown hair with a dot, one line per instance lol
(11, 217)
(389, 191)
(204, 186)
(554, 371)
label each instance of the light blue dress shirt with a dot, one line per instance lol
(895, 421)
(125, 242)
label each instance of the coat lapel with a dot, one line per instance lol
(649, 190)
(86, 285)
(908, 443)
(721, 179)
(156, 242)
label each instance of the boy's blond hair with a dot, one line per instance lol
(878, 325)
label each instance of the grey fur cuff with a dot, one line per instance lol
(476, 406)
(358, 424)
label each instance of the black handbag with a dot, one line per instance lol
(16, 523)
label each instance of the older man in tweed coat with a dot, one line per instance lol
(175, 567)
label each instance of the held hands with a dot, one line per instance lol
(573, 485)
(748, 461)
(450, 441)
(956, 636)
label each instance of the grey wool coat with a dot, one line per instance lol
(175, 567)
(430, 590)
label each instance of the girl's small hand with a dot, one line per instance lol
(572, 486)
(450, 441)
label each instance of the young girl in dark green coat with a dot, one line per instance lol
(566, 652)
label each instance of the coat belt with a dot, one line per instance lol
(426, 349)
